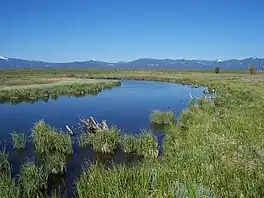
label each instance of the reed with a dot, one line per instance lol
(19, 141)
(32, 180)
(162, 117)
(48, 140)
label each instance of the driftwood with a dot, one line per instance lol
(92, 125)
(69, 130)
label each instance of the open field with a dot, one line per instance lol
(216, 149)
(20, 77)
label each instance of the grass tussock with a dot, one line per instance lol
(147, 145)
(4, 163)
(8, 188)
(162, 117)
(55, 163)
(105, 141)
(19, 141)
(32, 180)
(84, 139)
(128, 143)
(48, 140)
(144, 144)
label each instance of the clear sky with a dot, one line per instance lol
(123, 30)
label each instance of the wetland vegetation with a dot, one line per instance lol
(214, 150)
(64, 86)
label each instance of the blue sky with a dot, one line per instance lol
(123, 30)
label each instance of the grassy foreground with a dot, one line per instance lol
(216, 150)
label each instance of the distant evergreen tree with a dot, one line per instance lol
(252, 70)
(217, 70)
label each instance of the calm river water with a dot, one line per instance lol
(128, 106)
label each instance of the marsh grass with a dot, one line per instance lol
(32, 180)
(55, 163)
(105, 141)
(37, 92)
(84, 139)
(19, 141)
(221, 140)
(8, 188)
(4, 163)
(147, 180)
(144, 144)
(128, 143)
(47, 139)
(160, 117)
(206, 105)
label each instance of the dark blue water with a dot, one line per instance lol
(128, 106)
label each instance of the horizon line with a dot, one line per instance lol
(221, 59)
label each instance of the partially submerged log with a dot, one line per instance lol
(92, 125)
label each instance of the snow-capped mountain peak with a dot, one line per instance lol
(219, 60)
(3, 58)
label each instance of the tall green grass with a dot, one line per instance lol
(32, 180)
(221, 139)
(19, 141)
(159, 117)
(128, 143)
(144, 144)
(4, 163)
(105, 141)
(8, 188)
(48, 140)
(55, 163)
(148, 180)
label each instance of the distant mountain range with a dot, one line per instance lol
(143, 63)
